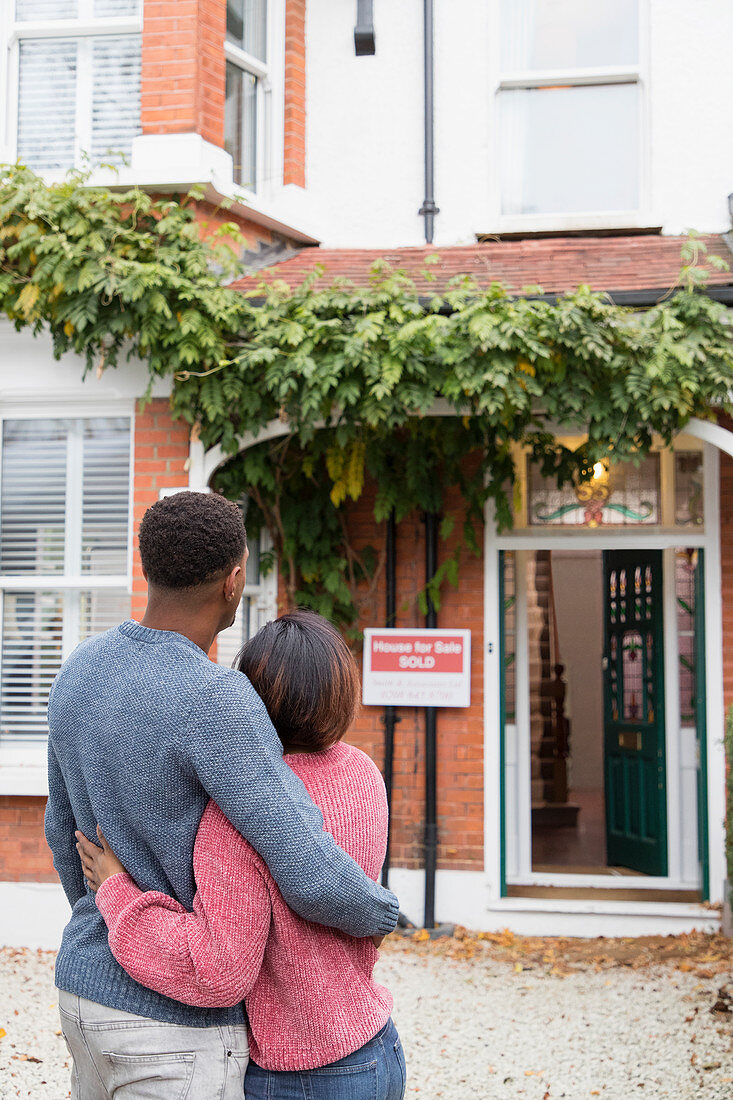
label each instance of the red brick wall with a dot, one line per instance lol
(24, 856)
(183, 68)
(184, 74)
(459, 732)
(294, 121)
(161, 451)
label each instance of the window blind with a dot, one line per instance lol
(33, 501)
(54, 127)
(37, 10)
(64, 512)
(116, 68)
(105, 496)
(42, 529)
(32, 643)
(33, 646)
(47, 103)
(115, 8)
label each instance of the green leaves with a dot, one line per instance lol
(357, 374)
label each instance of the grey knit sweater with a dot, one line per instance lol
(143, 728)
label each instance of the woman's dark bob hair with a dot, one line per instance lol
(306, 676)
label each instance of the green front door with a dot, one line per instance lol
(634, 751)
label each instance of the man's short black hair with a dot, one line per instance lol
(190, 538)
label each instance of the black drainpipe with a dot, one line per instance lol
(431, 820)
(390, 718)
(428, 210)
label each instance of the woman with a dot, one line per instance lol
(319, 1026)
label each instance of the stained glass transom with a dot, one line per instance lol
(620, 495)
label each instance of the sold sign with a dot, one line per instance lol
(417, 667)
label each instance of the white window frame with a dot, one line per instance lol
(681, 820)
(23, 768)
(270, 76)
(263, 594)
(638, 74)
(85, 27)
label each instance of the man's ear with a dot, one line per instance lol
(231, 582)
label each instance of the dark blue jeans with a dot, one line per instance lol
(374, 1072)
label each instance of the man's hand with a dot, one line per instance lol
(98, 864)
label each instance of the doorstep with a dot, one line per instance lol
(600, 917)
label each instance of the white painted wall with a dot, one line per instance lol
(578, 582)
(29, 374)
(365, 121)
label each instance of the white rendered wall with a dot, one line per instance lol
(30, 375)
(365, 121)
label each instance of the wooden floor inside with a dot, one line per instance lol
(598, 893)
(581, 850)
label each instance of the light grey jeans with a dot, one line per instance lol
(119, 1056)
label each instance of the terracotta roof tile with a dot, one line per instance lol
(557, 264)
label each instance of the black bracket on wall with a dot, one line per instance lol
(364, 44)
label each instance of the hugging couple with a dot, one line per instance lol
(224, 934)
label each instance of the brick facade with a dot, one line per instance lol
(183, 68)
(460, 733)
(184, 74)
(294, 121)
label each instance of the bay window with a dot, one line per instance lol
(569, 107)
(64, 554)
(74, 81)
(247, 76)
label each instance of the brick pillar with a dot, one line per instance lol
(24, 855)
(183, 68)
(294, 144)
(161, 450)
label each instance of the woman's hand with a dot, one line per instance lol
(97, 863)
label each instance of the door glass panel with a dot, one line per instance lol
(685, 565)
(632, 665)
(510, 637)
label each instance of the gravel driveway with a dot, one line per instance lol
(475, 1026)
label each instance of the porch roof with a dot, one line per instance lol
(645, 262)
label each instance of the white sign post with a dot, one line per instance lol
(417, 668)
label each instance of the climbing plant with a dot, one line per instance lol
(356, 373)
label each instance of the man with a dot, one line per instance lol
(143, 729)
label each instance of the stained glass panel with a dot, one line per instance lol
(685, 564)
(688, 497)
(633, 675)
(510, 636)
(620, 495)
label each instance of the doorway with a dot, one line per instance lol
(602, 690)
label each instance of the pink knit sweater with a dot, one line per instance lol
(309, 991)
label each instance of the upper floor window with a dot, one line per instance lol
(246, 77)
(75, 81)
(569, 107)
